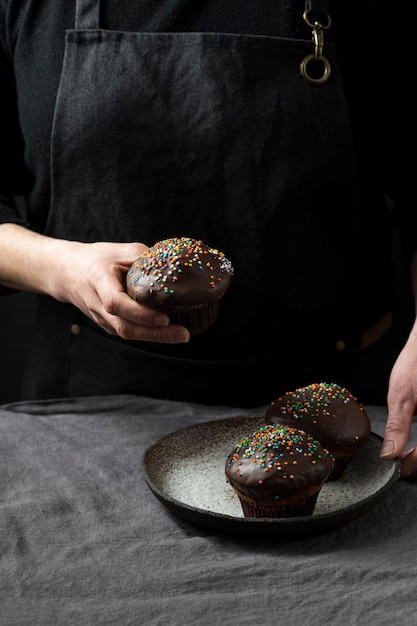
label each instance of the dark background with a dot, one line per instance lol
(16, 325)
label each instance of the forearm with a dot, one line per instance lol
(31, 262)
(91, 276)
(402, 397)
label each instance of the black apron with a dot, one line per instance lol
(218, 137)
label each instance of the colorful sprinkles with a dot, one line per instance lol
(275, 446)
(315, 399)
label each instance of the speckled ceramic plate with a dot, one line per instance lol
(185, 471)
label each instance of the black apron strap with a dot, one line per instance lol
(87, 14)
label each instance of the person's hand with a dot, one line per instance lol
(92, 277)
(402, 405)
(89, 275)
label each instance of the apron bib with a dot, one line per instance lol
(218, 137)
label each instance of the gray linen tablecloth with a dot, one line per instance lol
(84, 541)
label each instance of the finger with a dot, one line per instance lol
(397, 429)
(159, 334)
(170, 333)
(119, 305)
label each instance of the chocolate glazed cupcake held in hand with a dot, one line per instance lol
(182, 277)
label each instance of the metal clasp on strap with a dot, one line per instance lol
(315, 67)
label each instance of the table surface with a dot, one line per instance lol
(83, 540)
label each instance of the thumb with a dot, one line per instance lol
(409, 464)
(129, 252)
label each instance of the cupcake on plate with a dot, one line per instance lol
(182, 277)
(328, 412)
(278, 472)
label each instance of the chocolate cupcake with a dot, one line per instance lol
(182, 277)
(278, 472)
(328, 412)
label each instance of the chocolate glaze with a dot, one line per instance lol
(179, 273)
(277, 461)
(328, 412)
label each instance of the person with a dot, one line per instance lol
(272, 131)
